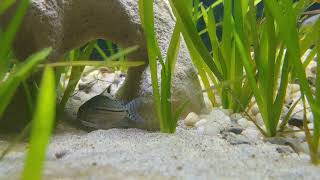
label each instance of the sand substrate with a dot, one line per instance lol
(138, 154)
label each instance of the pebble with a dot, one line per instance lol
(252, 134)
(310, 117)
(304, 147)
(201, 122)
(284, 112)
(300, 135)
(313, 68)
(235, 130)
(296, 121)
(312, 81)
(294, 88)
(234, 139)
(284, 150)
(211, 129)
(191, 119)
(227, 112)
(235, 116)
(243, 122)
(259, 119)
(255, 110)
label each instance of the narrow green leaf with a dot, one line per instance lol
(8, 35)
(42, 125)
(9, 86)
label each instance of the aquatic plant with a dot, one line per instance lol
(42, 125)
(15, 73)
(268, 48)
(162, 94)
(286, 16)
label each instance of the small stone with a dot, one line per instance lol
(295, 96)
(300, 135)
(234, 139)
(259, 119)
(284, 150)
(251, 124)
(296, 121)
(235, 116)
(235, 130)
(304, 147)
(191, 119)
(211, 129)
(312, 81)
(255, 110)
(252, 135)
(227, 112)
(313, 68)
(294, 88)
(243, 122)
(60, 154)
(310, 117)
(284, 112)
(201, 122)
(310, 126)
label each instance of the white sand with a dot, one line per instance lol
(137, 154)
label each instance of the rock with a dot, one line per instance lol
(235, 116)
(313, 68)
(235, 130)
(252, 135)
(294, 88)
(68, 24)
(201, 122)
(284, 150)
(211, 129)
(310, 126)
(227, 112)
(291, 142)
(300, 134)
(297, 116)
(255, 110)
(295, 96)
(191, 119)
(218, 116)
(312, 81)
(234, 139)
(310, 117)
(259, 119)
(243, 122)
(296, 121)
(284, 112)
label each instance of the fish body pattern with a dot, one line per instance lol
(105, 112)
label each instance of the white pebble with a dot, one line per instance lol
(252, 135)
(299, 135)
(255, 109)
(235, 116)
(259, 119)
(227, 112)
(191, 119)
(243, 122)
(202, 122)
(294, 88)
(211, 129)
(313, 68)
(310, 126)
(310, 116)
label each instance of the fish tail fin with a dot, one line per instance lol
(133, 110)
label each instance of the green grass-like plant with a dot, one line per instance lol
(162, 94)
(286, 15)
(42, 125)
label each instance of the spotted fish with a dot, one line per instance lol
(105, 112)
